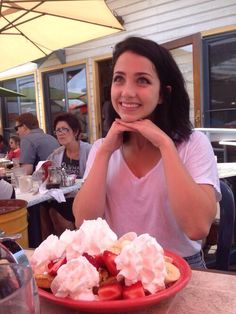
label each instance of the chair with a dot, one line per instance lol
(225, 252)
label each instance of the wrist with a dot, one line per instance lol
(104, 152)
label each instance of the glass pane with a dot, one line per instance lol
(11, 111)
(222, 69)
(77, 97)
(17, 105)
(223, 118)
(184, 58)
(56, 94)
(26, 87)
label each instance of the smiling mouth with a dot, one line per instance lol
(129, 105)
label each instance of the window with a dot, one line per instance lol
(13, 106)
(219, 56)
(66, 90)
(219, 90)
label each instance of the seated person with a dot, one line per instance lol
(35, 145)
(14, 143)
(6, 190)
(72, 156)
(152, 173)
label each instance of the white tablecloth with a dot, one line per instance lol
(226, 169)
(39, 198)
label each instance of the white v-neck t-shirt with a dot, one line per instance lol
(142, 205)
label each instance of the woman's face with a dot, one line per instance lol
(12, 144)
(64, 133)
(135, 90)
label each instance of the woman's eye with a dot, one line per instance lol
(143, 80)
(118, 78)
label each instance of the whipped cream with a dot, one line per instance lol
(48, 250)
(93, 237)
(142, 260)
(76, 280)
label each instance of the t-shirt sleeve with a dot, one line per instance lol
(91, 157)
(199, 159)
(6, 189)
(28, 152)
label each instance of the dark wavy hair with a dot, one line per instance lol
(71, 120)
(172, 115)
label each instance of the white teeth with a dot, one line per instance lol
(129, 105)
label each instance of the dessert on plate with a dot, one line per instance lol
(91, 263)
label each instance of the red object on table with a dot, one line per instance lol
(45, 167)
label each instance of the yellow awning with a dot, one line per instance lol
(30, 30)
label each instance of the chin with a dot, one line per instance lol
(129, 118)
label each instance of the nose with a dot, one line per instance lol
(129, 89)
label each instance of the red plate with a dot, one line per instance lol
(127, 305)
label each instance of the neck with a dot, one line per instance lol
(138, 141)
(72, 150)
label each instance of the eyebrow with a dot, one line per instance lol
(136, 74)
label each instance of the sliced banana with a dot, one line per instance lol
(168, 259)
(115, 249)
(129, 236)
(122, 242)
(172, 273)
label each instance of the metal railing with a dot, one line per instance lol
(219, 136)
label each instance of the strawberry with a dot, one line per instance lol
(53, 266)
(134, 291)
(110, 291)
(109, 261)
(95, 260)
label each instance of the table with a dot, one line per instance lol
(207, 292)
(33, 207)
(230, 143)
(34, 199)
(226, 169)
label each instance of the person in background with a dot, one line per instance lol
(14, 143)
(6, 190)
(3, 145)
(72, 156)
(152, 173)
(35, 145)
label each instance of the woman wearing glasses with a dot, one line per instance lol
(72, 156)
(73, 153)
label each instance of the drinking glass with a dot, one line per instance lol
(18, 292)
(25, 183)
(18, 172)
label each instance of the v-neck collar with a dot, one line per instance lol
(131, 172)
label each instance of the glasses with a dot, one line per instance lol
(61, 130)
(18, 126)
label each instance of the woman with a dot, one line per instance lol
(72, 156)
(73, 153)
(14, 143)
(151, 173)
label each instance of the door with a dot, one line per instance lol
(105, 77)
